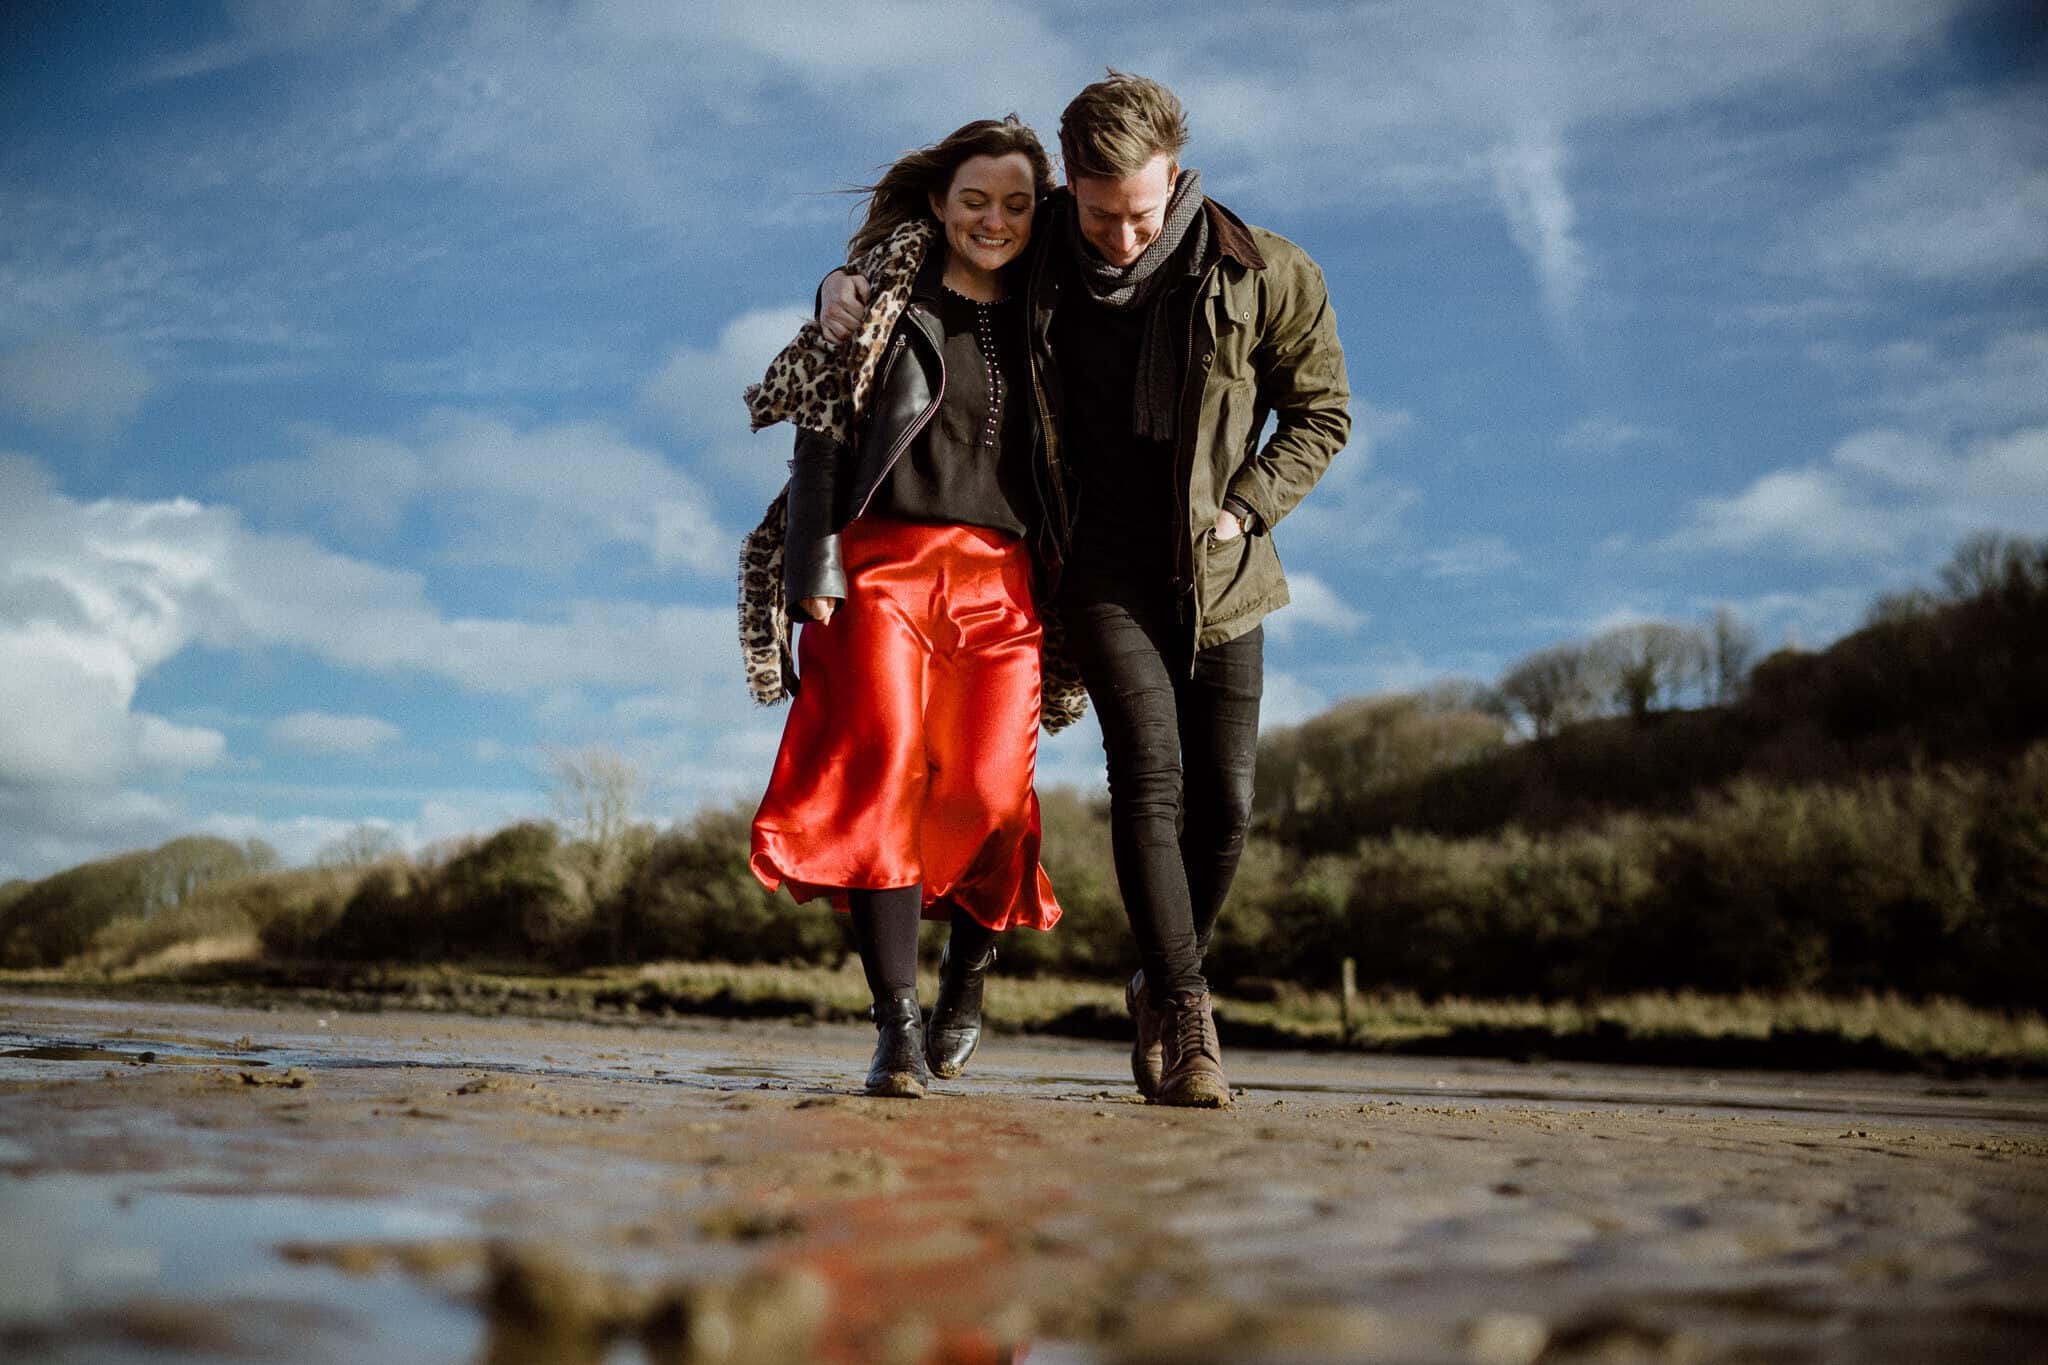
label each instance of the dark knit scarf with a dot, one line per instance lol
(1144, 284)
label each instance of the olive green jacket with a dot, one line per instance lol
(1262, 341)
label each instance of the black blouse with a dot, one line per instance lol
(971, 464)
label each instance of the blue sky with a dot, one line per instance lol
(370, 372)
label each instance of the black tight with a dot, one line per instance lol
(1182, 744)
(885, 930)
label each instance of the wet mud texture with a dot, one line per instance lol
(185, 1182)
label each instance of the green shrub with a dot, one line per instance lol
(692, 897)
(123, 942)
(57, 918)
(2011, 847)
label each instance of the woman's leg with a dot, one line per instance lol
(955, 1029)
(970, 940)
(885, 929)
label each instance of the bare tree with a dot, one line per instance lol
(1551, 688)
(595, 794)
(1992, 561)
(1731, 651)
(1649, 660)
(364, 846)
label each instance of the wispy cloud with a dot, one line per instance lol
(1316, 606)
(1883, 494)
(324, 734)
(541, 498)
(260, 30)
(1603, 434)
(74, 385)
(1473, 557)
(1960, 196)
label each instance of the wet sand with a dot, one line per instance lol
(190, 1182)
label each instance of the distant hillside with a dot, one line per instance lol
(1960, 678)
(46, 922)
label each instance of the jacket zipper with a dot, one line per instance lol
(1187, 602)
(909, 434)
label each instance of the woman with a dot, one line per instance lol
(903, 787)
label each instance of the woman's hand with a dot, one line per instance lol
(1228, 527)
(819, 609)
(842, 305)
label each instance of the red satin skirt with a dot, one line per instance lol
(910, 748)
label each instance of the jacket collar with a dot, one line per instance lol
(1230, 237)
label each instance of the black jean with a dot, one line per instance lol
(1182, 745)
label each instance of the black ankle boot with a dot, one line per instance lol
(956, 1016)
(899, 1070)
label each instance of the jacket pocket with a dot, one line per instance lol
(1237, 577)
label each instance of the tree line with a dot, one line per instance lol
(1871, 815)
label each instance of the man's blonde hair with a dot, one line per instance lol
(1112, 128)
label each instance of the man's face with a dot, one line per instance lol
(1120, 218)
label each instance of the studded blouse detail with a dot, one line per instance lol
(970, 465)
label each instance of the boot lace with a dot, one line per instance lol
(1192, 1032)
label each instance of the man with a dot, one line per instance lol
(1165, 331)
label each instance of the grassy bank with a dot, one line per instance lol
(1771, 1032)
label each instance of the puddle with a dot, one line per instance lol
(82, 1251)
(140, 1057)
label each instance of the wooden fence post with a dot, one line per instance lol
(1350, 1000)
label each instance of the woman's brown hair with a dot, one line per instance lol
(905, 191)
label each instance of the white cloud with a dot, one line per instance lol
(1350, 511)
(356, 484)
(74, 385)
(1528, 178)
(539, 498)
(85, 612)
(95, 595)
(1810, 511)
(2004, 384)
(1473, 557)
(697, 389)
(53, 826)
(1883, 493)
(1962, 195)
(1288, 701)
(318, 732)
(1807, 620)
(696, 393)
(1313, 606)
(437, 819)
(1603, 434)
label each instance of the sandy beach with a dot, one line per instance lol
(190, 1182)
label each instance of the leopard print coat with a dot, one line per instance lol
(809, 385)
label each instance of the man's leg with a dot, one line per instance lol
(1219, 737)
(1123, 654)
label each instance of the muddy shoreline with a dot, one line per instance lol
(186, 1181)
(636, 1003)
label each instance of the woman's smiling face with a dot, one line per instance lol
(986, 211)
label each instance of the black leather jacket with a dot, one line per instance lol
(831, 482)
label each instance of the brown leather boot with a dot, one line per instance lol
(1145, 1048)
(1191, 1058)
